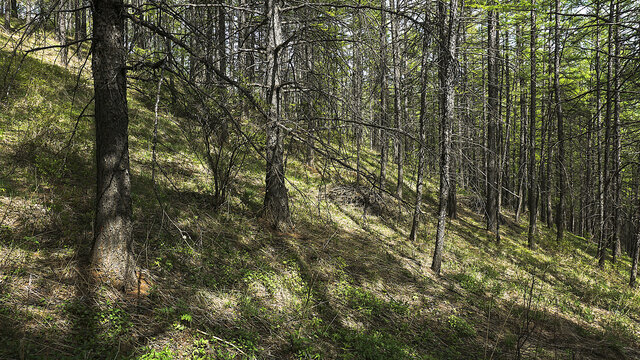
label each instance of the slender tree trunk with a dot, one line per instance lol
(112, 248)
(356, 80)
(636, 221)
(617, 179)
(276, 198)
(634, 257)
(446, 72)
(7, 14)
(421, 146)
(492, 129)
(608, 204)
(533, 206)
(522, 161)
(397, 101)
(62, 32)
(560, 223)
(307, 108)
(383, 97)
(600, 145)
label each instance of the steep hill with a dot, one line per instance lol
(216, 284)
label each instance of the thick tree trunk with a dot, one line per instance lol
(112, 248)
(276, 198)
(533, 205)
(447, 77)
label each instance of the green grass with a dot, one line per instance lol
(343, 284)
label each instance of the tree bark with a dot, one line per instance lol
(7, 14)
(617, 179)
(112, 253)
(397, 101)
(421, 146)
(61, 18)
(276, 198)
(600, 146)
(607, 166)
(492, 127)
(447, 77)
(522, 161)
(383, 97)
(560, 223)
(533, 205)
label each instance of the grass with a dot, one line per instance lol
(343, 284)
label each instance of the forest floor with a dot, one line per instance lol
(217, 284)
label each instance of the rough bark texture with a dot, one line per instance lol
(276, 198)
(447, 76)
(112, 249)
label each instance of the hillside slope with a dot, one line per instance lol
(345, 283)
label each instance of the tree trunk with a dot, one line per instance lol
(383, 97)
(600, 145)
(522, 161)
(447, 77)
(7, 14)
(492, 128)
(636, 246)
(397, 101)
(608, 205)
(112, 248)
(276, 198)
(617, 179)
(533, 205)
(62, 32)
(422, 145)
(356, 83)
(559, 118)
(634, 257)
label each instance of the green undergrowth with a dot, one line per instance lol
(344, 283)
